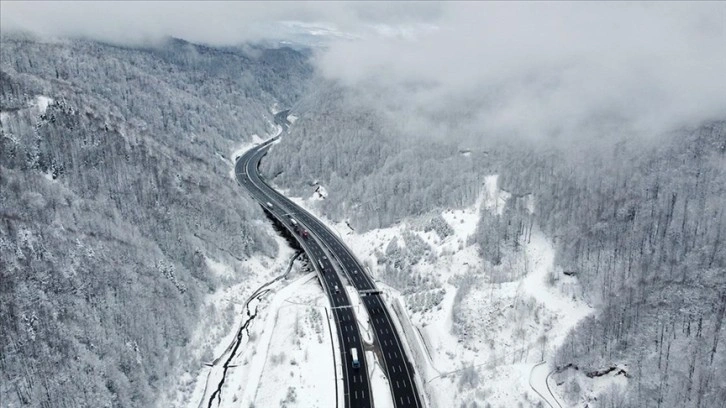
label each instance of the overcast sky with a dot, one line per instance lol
(210, 22)
(510, 68)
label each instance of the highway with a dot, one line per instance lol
(356, 386)
(320, 244)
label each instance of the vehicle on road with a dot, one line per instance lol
(354, 357)
(321, 264)
(269, 204)
(337, 289)
(296, 227)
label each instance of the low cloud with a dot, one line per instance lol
(485, 69)
(547, 69)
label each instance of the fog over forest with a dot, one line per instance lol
(546, 70)
(601, 127)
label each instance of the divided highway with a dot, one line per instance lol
(356, 386)
(321, 242)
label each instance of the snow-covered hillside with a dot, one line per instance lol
(481, 340)
(110, 179)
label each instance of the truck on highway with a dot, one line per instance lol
(354, 357)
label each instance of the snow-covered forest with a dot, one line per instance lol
(351, 149)
(114, 189)
(639, 221)
(641, 224)
(537, 192)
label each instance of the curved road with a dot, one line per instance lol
(321, 243)
(356, 387)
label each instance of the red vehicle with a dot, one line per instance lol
(304, 233)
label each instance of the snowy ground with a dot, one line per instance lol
(39, 105)
(288, 360)
(485, 346)
(224, 313)
(42, 102)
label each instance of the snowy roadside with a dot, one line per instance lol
(482, 344)
(224, 313)
(285, 355)
(255, 140)
(288, 358)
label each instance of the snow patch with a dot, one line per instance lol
(495, 199)
(291, 364)
(240, 150)
(256, 140)
(379, 383)
(49, 176)
(540, 254)
(530, 204)
(219, 268)
(41, 102)
(589, 389)
(593, 387)
(321, 193)
(244, 147)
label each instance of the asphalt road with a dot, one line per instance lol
(396, 363)
(356, 385)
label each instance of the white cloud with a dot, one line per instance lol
(474, 68)
(548, 68)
